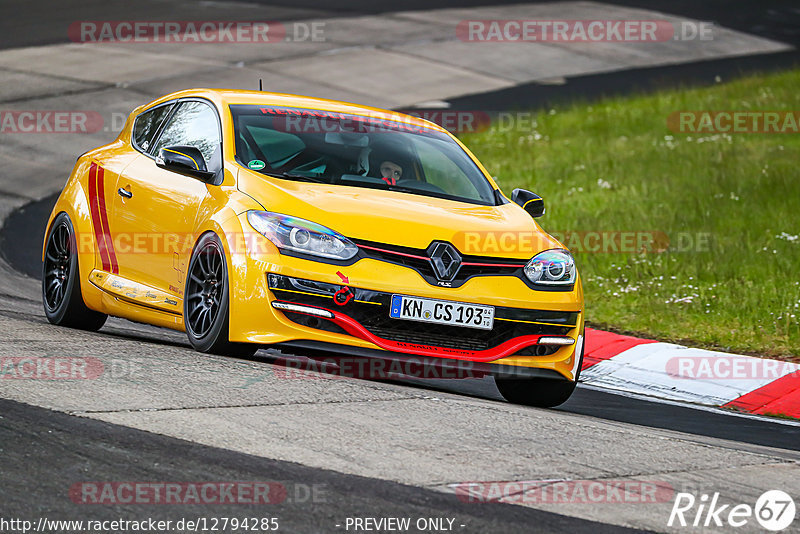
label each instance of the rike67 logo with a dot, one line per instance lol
(774, 510)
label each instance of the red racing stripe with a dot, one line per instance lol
(109, 243)
(96, 220)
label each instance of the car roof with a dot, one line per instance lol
(227, 97)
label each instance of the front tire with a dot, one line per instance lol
(61, 287)
(205, 305)
(539, 392)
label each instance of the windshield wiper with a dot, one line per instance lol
(290, 176)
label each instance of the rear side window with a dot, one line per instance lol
(147, 124)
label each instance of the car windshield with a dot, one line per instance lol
(354, 150)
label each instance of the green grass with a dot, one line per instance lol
(782, 416)
(613, 165)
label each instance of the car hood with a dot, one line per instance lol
(403, 219)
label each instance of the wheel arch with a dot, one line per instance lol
(226, 225)
(74, 202)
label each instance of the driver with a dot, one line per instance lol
(390, 172)
(390, 160)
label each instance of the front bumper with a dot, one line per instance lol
(364, 314)
(522, 316)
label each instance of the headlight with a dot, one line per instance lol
(299, 235)
(552, 267)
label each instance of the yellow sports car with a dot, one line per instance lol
(249, 219)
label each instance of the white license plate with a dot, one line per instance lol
(442, 312)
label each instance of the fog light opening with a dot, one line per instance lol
(287, 306)
(556, 340)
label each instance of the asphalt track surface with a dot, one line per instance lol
(43, 452)
(65, 446)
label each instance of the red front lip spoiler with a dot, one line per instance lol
(355, 329)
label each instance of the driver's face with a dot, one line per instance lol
(391, 170)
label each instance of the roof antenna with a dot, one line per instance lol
(259, 85)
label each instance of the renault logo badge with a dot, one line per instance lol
(445, 259)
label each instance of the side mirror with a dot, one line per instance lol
(530, 202)
(186, 160)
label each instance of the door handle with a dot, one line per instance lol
(124, 193)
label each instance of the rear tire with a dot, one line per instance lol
(206, 313)
(61, 287)
(539, 392)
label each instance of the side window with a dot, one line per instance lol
(147, 124)
(194, 124)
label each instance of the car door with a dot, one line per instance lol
(102, 191)
(156, 209)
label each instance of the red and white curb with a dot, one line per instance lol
(677, 373)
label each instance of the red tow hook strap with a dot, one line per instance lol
(343, 296)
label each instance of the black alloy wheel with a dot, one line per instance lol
(61, 287)
(205, 305)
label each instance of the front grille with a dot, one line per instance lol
(418, 260)
(428, 338)
(408, 257)
(450, 336)
(371, 310)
